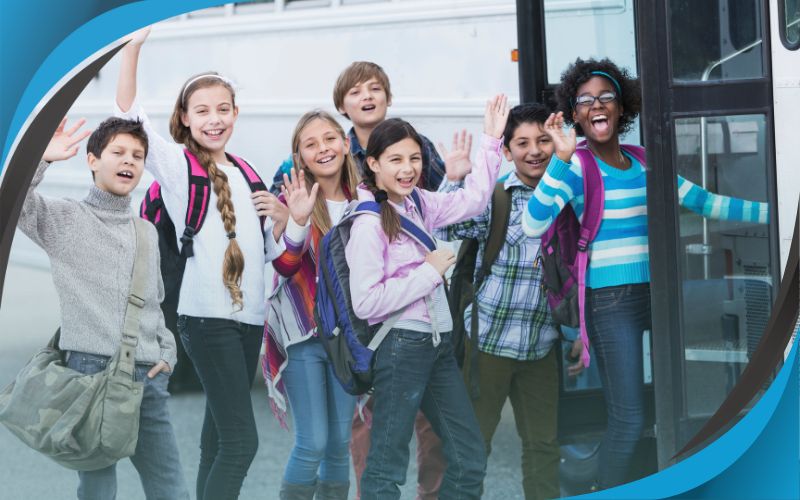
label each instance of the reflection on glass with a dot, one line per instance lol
(725, 253)
(792, 21)
(715, 40)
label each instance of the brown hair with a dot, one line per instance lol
(388, 132)
(349, 174)
(359, 72)
(233, 262)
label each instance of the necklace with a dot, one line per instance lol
(621, 158)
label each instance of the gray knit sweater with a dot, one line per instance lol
(91, 245)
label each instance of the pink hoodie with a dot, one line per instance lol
(384, 276)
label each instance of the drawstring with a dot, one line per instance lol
(434, 323)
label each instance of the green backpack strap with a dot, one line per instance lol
(498, 228)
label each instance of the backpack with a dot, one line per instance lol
(349, 340)
(565, 246)
(173, 258)
(464, 284)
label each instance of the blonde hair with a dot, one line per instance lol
(233, 262)
(349, 174)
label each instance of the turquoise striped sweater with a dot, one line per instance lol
(619, 254)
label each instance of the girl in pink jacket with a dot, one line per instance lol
(414, 367)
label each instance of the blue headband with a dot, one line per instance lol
(613, 80)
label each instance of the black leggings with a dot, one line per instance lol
(225, 354)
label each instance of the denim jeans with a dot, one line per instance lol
(412, 374)
(156, 458)
(615, 319)
(225, 355)
(322, 413)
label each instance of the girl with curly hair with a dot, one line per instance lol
(601, 100)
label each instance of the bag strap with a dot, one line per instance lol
(411, 228)
(136, 302)
(200, 194)
(593, 205)
(498, 228)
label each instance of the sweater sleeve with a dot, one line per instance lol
(166, 340)
(296, 240)
(44, 219)
(715, 206)
(561, 184)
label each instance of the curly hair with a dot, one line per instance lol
(580, 72)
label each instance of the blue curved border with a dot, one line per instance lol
(84, 41)
(756, 459)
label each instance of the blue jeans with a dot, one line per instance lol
(225, 355)
(616, 316)
(411, 374)
(156, 458)
(322, 413)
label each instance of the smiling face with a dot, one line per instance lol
(398, 169)
(120, 165)
(322, 149)
(530, 149)
(599, 121)
(366, 103)
(210, 115)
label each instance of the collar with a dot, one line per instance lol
(408, 205)
(511, 181)
(108, 201)
(355, 146)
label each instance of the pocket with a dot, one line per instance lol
(410, 338)
(607, 298)
(88, 364)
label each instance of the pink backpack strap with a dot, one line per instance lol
(635, 151)
(197, 208)
(593, 205)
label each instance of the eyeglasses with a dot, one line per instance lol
(588, 100)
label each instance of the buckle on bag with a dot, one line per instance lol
(136, 300)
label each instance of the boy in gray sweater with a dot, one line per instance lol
(91, 245)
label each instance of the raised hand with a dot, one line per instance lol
(64, 144)
(298, 197)
(138, 37)
(441, 259)
(456, 161)
(496, 116)
(564, 141)
(268, 205)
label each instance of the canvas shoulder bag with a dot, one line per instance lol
(83, 422)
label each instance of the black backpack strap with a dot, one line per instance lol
(498, 228)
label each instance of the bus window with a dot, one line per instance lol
(726, 265)
(716, 40)
(588, 29)
(789, 11)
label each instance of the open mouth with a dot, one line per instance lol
(368, 107)
(405, 182)
(600, 123)
(326, 159)
(125, 174)
(535, 163)
(214, 134)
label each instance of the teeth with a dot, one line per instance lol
(326, 159)
(599, 118)
(126, 173)
(214, 132)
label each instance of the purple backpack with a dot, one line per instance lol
(565, 245)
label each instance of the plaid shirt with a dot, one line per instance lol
(513, 316)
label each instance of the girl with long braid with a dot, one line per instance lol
(221, 305)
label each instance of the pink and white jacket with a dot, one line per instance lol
(386, 277)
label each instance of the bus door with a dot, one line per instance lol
(707, 94)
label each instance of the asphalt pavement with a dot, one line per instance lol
(29, 316)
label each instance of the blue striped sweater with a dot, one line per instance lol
(619, 254)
